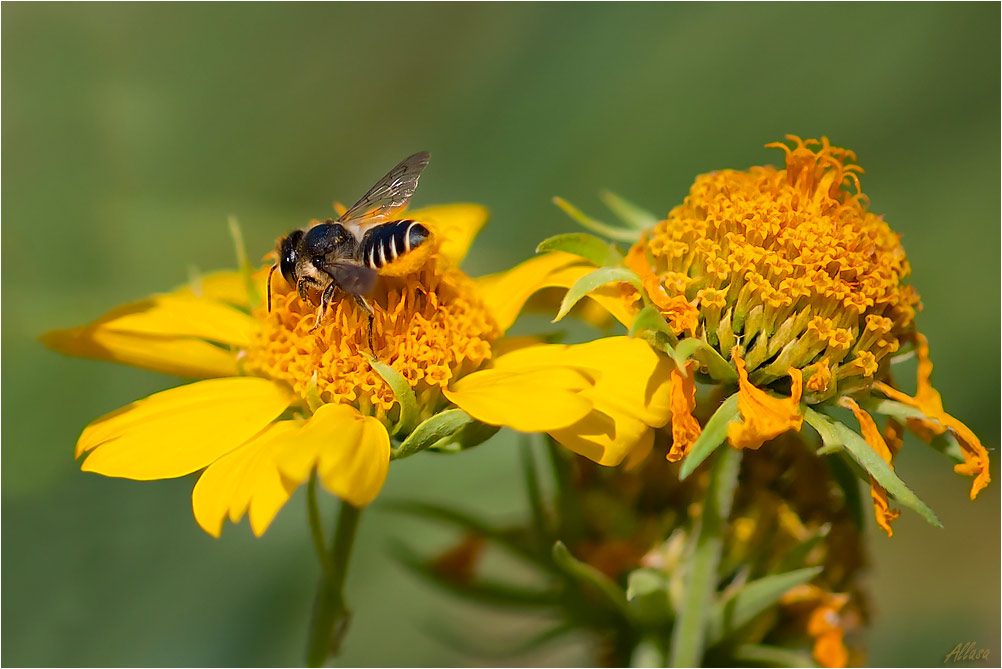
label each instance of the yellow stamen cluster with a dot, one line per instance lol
(429, 326)
(788, 264)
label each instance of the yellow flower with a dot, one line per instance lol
(782, 281)
(281, 400)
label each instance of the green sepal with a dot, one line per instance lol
(713, 434)
(604, 229)
(430, 432)
(647, 593)
(472, 434)
(313, 394)
(738, 609)
(632, 215)
(944, 443)
(897, 410)
(593, 280)
(402, 391)
(651, 326)
(591, 248)
(586, 575)
(874, 465)
(688, 640)
(243, 262)
(718, 368)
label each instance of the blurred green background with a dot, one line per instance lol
(132, 131)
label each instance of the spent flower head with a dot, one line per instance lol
(781, 284)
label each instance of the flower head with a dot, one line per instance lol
(283, 399)
(782, 282)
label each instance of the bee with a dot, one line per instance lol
(347, 254)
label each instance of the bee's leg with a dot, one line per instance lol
(368, 310)
(325, 301)
(302, 287)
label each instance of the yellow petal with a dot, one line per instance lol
(180, 430)
(454, 225)
(227, 286)
(350, 452)
(630, 378)
(506, 293)
(177, 356)
(246, 477)
(764, 416)
(528, 400)
(165, 333)
(607, 437)
(685, 429)
(928, 400)
(881, 506)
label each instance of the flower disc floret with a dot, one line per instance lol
(431, 327)
(788, 263)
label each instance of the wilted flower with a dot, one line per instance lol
(779, 282)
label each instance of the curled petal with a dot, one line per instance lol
(871, 434)
(928, 400)
(178, 431)
(245, 479)
(608, 437)
(685, 429)
(350, 452)
(764, 416)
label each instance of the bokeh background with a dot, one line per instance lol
(131, 132)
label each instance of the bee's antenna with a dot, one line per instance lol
(272, 271)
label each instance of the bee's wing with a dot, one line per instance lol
(389, 195)
(351, 278)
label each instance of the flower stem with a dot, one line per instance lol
(330, 614)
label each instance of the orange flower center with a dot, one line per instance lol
(788, 263)
(429, 326)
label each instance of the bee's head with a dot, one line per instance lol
(288, 255)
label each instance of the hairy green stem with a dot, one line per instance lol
(330, 614)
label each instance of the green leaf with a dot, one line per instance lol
(700, 569)
(797, 555)
(604, 229)
(891, 408)
(874, 465)
(589, 577)
(402, 391)
(712, 436)
(243, 263)
(593, 280)
(589, 247)
(472, 434)
(772, 656)
(647, 593)
(629, 213)
(430, 432)
(693, 347)
(734, 612)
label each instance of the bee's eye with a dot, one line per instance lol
(289, 255)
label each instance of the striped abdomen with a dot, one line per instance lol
(385, 243)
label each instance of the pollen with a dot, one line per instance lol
(429, 326)
(787, 263)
